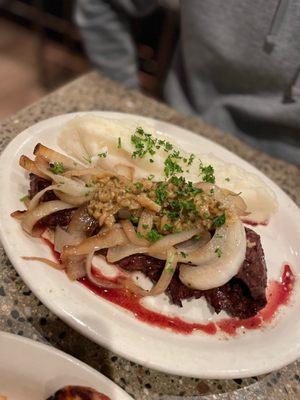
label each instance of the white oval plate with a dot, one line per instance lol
(32, 370)
(197, 355)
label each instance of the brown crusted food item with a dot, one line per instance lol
(243, 296)
(78, 393)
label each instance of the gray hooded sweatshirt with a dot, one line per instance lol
(236, 65)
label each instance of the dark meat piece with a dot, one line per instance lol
(37, 184)
(62, 217)
(150, 266)
(243, 296)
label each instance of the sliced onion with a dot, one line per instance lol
(88, 171)
(111, 238)
(46, 261)
(75, 267)
(130, 232)
(26, 163)
(74, 188)
(36, 199)
(96, 281)
(125, 170)
(164, 280)
(19, 215)
(75, 200)
(215, 268)
(54, 156)
(148, 203)
(117, 253)
(63, 238)
(145, 222)
(42, 210)
(191, 246)
(171, 240)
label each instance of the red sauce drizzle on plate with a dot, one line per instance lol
(278, 294)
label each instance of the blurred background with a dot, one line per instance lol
(41, 49)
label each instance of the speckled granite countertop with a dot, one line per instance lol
(22, 313)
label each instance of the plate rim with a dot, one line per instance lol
(57, 353)
(71, 321)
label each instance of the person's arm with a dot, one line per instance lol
(107, 38)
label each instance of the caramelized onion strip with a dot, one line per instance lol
(26, 163)
(52, 264)
(130, 232)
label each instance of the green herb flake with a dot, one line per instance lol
(218, 236)
(102, 155)
(218, 251)
(191, 159)
(24, 198)
(150, 177)
(145, 226)
(119, 143)
(139, 235)
(57, 168)
(134, 219)
(161, 192)
(219, 221)
(183, 254)
(127, 189)
(138, 185)
(167, 227)
(227, 179)
(89, 184)
(207, 173)
(88, 159)
(153, 236)
(171, 166)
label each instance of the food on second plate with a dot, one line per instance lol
(78, 393)
(136, 200)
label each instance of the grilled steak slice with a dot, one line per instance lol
(243, 296)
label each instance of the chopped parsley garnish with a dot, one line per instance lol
(139, 235)
(127, 189)
(227, 179)
(88, 159)
(145, 226)
(102, 155)
(197, 237)
(177, 180)
(153, 236)
(191, 159)
(138, 185)
(218, 251)
(134, 219)
(169, 266)
(119, 143)
(57, 167)
(219, 221)
(207, 173)
(183, 254)
(167, 227)
(24, 198)
(151, 160)
(171, 166)
(150, 177)
(161, 192)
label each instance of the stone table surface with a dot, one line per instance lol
(23, 314)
